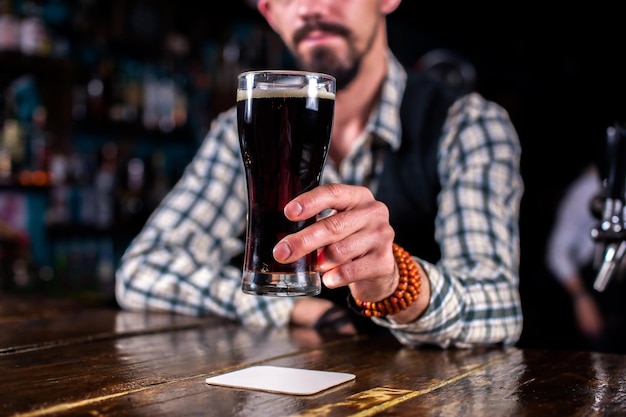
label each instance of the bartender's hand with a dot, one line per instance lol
(322, 315)
(354, 243)
(588, 316)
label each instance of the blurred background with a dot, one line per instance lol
(103, 103)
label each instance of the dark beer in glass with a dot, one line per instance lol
(285, 120)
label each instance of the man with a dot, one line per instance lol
(570, 251)
(460, 223)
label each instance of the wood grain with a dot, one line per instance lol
(102, 361)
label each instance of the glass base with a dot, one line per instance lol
(282, 284)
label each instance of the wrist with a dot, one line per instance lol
(406, 293)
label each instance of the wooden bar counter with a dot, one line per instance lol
(58, 358)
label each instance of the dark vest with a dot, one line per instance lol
(409, 184)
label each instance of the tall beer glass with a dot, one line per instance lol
(285, 120)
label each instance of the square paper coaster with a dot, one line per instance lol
(281, 379)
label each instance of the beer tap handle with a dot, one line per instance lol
(610, 235)
(613, 255)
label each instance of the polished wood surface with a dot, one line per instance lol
(62, 359)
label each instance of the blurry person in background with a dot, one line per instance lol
(570, 252)
(412, 162)
(599, 317)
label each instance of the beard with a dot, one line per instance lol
(322, 59)
(325, 60)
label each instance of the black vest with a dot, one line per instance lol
(410, 184)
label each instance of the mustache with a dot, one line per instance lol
(303, 32)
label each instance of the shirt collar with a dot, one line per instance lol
(384, 120)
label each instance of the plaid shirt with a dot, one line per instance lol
(179, 262)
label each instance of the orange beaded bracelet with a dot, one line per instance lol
(406, 293)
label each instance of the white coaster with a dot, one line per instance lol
(281, 379)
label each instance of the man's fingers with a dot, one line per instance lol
(337, 197)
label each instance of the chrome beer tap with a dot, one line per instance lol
(610, 235)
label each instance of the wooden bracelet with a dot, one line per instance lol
(406, 293)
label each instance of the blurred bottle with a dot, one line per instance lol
(9, 28)
(132, 202)
(104, 186)
(158, 180)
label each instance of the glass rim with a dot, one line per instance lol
(287, 72)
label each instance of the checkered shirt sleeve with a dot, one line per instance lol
(179, 262)
(474, 287)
